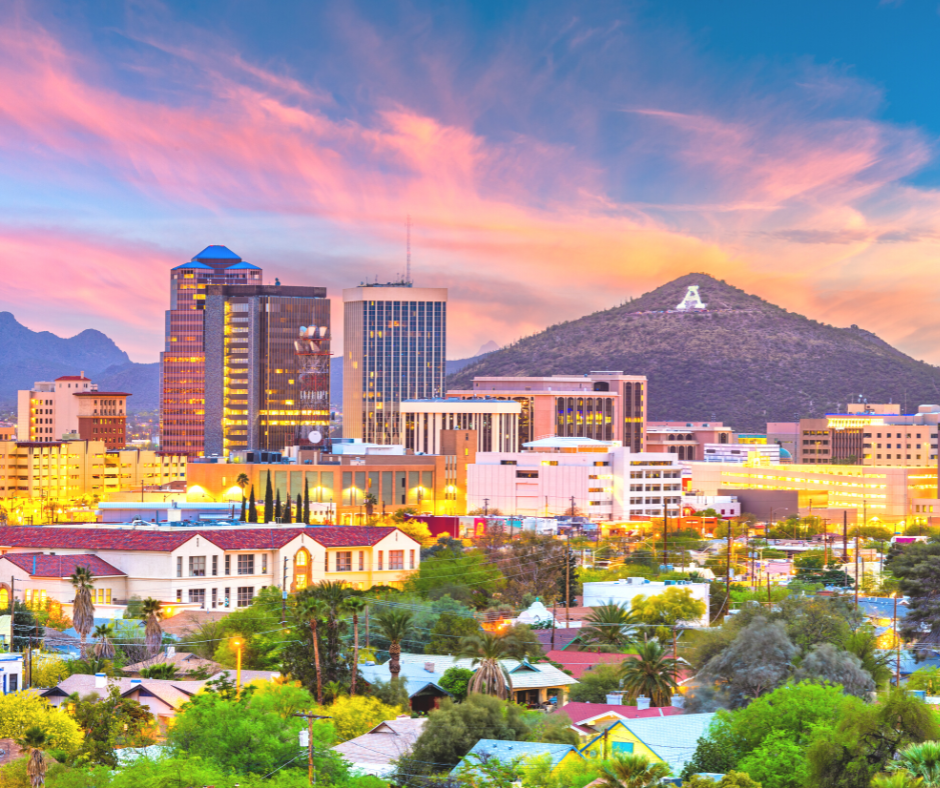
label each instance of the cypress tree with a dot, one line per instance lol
(286, 515)
(269, 501)
(278, 514)
(299, 511)
(244, 513)
(252, 508)
(306, 501)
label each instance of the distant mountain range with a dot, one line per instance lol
(742, 361)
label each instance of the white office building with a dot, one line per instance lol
(496, 423)
(602, 480)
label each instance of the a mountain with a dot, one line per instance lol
(141, 380)
(743, 361)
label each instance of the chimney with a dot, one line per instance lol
(429, 667)
(101, 681)
(614, 698)
(642, 702)
(170, 652)
(83, 373)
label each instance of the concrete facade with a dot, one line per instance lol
(496, 423)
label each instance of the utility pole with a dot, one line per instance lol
(665, 534)
(310, 718)
(728, 572)
(856, 569)
(770, 602)
(572, 506)
(567, 583)
(486, 506)
(845, 536)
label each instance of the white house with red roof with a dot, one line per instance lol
(207, 568)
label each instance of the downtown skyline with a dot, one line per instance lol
(555, 159)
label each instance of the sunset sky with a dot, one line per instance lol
(555, 158)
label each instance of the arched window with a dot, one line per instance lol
(300, 559)
(4, 597)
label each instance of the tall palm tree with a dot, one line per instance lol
(920, 760)
(651, 673)
(83, 608)
(394, 624)
(104, 648)
(627, 770)
(354, 606)
(35, 740)
(608, 628)
(242, 481)
(491, 677)
(153, 632)
(313, 611)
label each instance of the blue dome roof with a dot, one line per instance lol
(785, 453)
(193, 264)
(242, 266)
(217, 252)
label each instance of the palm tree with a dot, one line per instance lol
(153, 632)
(394, 624)
(312, 610)
(627, 770)
(104, 648)
(162, 670)
(354, 606)
(83, 609)
(491, 677)
(650, 673)
(35, 740)
(921, 760)
(242, 482)
(897, 780)
(370, 501)
(608, 627)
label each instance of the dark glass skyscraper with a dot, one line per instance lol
(395, 343)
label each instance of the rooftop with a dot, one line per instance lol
(585, 713)
(217, 252)
(73, 377)
(386, 742)
(508, 751)
(41, 565)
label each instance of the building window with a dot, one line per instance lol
(362, 561)
(197, 566)
(228, 565)
(197, 596)
(344, 561)
(215, 566)
(215, 597)
(179, 594)
(411, 559)
(527, 474)
(226, 597)
(379, 563)
(179, 566)
(301, 582)
(396, 559)
(264, 563)
(326, 562)
(245, 595)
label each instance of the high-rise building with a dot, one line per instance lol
(72, 407)
(395, 339)
(267, 367)
(182, 384)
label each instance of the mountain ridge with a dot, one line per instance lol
(743, 360)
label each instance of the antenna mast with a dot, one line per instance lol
(408, 252)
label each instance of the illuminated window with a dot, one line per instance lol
(301, 558)
(301, 582)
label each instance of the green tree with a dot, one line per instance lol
(608, 628)
(446, 574)
(448, 631)
(20, 711)
(268, 500)
(306, 501)
(922, 760)
(729, 780)
(34, 741)
(629, 770)
(456, 681)
(826, 663)
(896, 780)
(83, 609)
(109, 722)
(299, 511)
(651, 673)
(254, 735)
(917, 570)
(452, 730)
(863, 643)
(927, 679)
(104, 648)
(287, 516)
(278, 513)
(394, 624)
(252, 506)
(595, 684)
(674, 607)
(860, 745)
(487, 652)
(313, 611)
(152, 612)
(355, 606)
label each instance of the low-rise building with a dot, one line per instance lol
(622, 592)
(686, 439)
(209, 569)
(523, 752)
(601, 480)
(376, 751)
(740, 452)
(11, 673)
(495, 421)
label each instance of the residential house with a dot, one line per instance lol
(578, 662)
(11, 673)
(184, 663)
(669, 739)
(375, 752)
(508, 752)
(207, 568)
(532, 684)
(589, 719)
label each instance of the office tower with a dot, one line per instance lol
(395, 339)
(182, 383)
(72, 407)
(267, 367)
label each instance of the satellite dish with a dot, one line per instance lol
(315, 436)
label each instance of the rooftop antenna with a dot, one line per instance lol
(408, 252)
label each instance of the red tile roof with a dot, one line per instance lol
(579, 661)
(41, 565)
(102, 394)
(167, 541)
(73, 377)
(579, 713)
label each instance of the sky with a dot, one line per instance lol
(555, 158)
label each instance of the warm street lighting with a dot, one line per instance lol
(237, 644)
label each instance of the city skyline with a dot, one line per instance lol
(637, 143)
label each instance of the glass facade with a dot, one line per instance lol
(396, 339)
(585, 417)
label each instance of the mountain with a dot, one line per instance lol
(742, 361)
(141, 380)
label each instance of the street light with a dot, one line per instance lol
(237, 644)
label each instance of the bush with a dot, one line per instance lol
(595, 684)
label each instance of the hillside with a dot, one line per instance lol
(744, 361)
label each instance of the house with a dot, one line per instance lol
(375, 752)
(184, 663)
(210, 569)
(590, 718)
(580, 661)
(508, 752)
(532, 685)
(421, 683)
(669, 739)
(11, 673)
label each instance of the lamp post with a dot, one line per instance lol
(237, 643)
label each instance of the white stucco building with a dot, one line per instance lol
(604, 480)
(496, 422)
(622, 592)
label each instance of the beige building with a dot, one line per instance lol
(49, 410)
(883, 492)
(495, 421)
